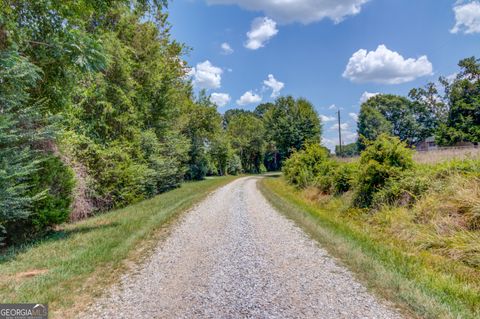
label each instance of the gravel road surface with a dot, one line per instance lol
(234, 256)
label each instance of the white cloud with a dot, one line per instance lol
(354, 116)
(366, 95)
(262, 30)
(329, 143)
(385, 66)
(344, 126)
(226, 48)
(326, 119)
(331, 107)
(220, 99)
(275, 85)
(206, 76)
(249, 98)
(304, 11)
(467, 17)
(349, 137)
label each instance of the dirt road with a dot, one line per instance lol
(234, 256)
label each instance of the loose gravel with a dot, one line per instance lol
(234, 256)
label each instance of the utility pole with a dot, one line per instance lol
(340, 133)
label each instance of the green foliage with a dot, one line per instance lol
(290, 124)
(403, 190)
(382, 160)
(54, 181)
(116, 83)
(23, 186)
(463, 94)
(305, 166)
(246, 132)
(234, 165)
(220, 153)
(430, 109)
(371, 124)
(202, 127)
(394, 115)
(344, 177)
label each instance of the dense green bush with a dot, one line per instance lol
(304, 167)
(383, 159)
(404, 189)
(344, 177)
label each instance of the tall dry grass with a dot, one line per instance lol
(433, 156)
(445, 154)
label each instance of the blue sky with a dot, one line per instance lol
(313, 49)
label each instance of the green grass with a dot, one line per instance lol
(421, 284)
(74, 263)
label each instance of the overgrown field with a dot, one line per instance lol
(71, 265)
(442, 155)
(411, 230)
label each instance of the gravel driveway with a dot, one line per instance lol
(234, 256)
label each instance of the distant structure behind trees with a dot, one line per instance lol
(431, 116)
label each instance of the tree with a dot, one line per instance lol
(410, 121)
(463, 94)
(289, 125)
(221, 153)
(35, 188)
(229, 114)
(429, 107)
(202, 125)
(348, 150)
(263, 108)
(246, 132)
(371, 124)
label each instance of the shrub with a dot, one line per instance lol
(405, 189)
(303, 167)
(382, 160)
(53, 188)
(344, 177)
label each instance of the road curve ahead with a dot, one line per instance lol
(234, 256)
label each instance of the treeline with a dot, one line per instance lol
(448, 111)
(97, 112)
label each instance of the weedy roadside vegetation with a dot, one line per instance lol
(419, 222)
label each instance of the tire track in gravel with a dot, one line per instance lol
(234, 256)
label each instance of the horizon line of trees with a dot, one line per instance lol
(448, 110)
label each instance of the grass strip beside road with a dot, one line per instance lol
(72, 265)
(399, 276)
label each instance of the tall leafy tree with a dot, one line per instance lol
(202, 124)
(463, 120)
(289, 125)
(397, 116)
(429, 107)
(21, 128)
(371, 124)
(246, 132)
